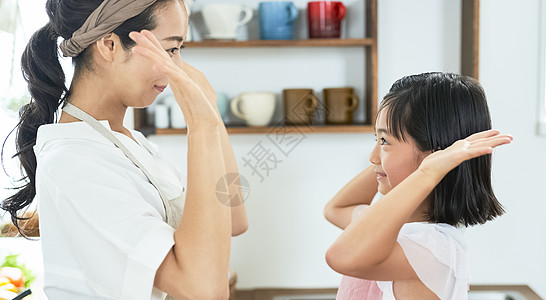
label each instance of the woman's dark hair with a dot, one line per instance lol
(435, 110)
(46, 82)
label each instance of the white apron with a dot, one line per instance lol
(173, 207)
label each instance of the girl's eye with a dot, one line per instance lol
(382, 141)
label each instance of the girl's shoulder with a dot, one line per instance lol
(437, 254)
(424, 231)
(444, 242)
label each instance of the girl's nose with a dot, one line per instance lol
(374, 155)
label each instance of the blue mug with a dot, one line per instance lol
(277, 20)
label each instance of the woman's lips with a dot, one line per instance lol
(160, 88)
(380, 176)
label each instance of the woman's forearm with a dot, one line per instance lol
(203, 238)
(239, 221)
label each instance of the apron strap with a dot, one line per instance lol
(80, 114)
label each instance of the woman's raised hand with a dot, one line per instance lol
(440, 162)
(202, 82)
(198, 110)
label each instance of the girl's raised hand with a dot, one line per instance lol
(197, 109)
(440, 162)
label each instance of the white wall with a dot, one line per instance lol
(511, 249)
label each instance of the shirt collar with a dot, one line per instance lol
(73, 130)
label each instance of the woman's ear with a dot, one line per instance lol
(107, 47)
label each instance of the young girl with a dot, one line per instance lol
(432, 163)
(116, 221)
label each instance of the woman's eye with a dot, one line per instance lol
(174, 51)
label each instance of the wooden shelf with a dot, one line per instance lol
(525, 290)
(265, 130)
(281, 43)
(368, 43)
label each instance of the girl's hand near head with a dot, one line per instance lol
(440, 162)
(198, 110)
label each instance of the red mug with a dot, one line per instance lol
(324, 18)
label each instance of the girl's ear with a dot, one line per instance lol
(421, 155)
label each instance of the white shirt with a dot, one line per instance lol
(101, 221)
(437, 254)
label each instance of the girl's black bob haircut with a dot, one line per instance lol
(434, 110)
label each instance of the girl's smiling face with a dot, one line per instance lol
(394, 160)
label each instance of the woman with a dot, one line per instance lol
(110, 207)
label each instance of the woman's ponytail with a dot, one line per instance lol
(46, 84)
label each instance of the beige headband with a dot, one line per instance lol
(107, 17)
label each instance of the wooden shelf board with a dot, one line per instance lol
(265, 130)
(281, 43)
(525, 290)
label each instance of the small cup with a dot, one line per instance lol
(324, 19)
(222, 101)
(277, 20)
(256, 108)
(299, 106)
(177, 117)
(340, 105)
(223, 19)
(161, 116)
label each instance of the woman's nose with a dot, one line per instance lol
(177, 60)
(374, 155)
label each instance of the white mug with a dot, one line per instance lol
(177, 117)
(222, 19)
(255, 108)
(161, 116)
